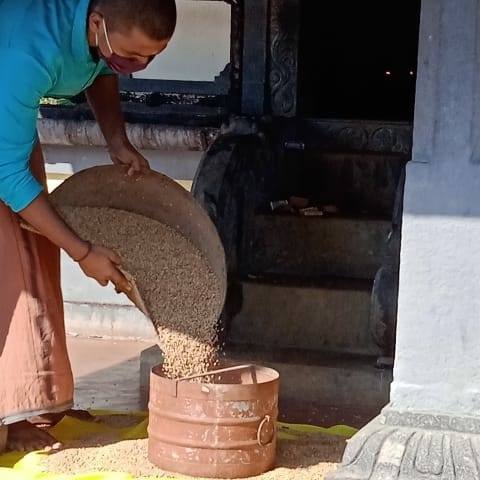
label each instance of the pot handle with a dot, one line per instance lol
(263, 423)
(174, 385)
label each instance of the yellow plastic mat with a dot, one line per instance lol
(21, 466)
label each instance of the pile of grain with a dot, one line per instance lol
(308, 459)
(176, 283)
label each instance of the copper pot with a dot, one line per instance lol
(225, 428)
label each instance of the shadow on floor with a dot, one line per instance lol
(116, 387)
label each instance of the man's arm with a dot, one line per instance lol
(21, 88)
(104, 98)
(40, 215)
(96, 262)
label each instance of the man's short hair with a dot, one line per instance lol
(156, 18)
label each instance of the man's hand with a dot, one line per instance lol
(102, 265)
(126, 154)
(97, 262)
(104, 99)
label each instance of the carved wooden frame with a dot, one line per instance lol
(284, 45)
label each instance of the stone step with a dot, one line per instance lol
(316, 246)
(315, 388)
(330, 314)
(354, 182)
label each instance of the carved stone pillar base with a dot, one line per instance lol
(409, 446)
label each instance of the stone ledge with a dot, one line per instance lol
(107, 321)
(429, 421)
(149, 358)
(142, 136)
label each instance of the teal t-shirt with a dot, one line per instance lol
(44, 53)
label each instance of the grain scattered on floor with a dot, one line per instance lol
(308, 459)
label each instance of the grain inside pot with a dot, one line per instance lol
(175, 281)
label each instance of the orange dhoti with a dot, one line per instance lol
(35, 373)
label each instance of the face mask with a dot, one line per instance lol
(117, 63)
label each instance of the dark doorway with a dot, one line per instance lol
(358, 59)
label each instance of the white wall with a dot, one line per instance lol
(200, 47)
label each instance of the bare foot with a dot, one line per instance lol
(25, 437)
(51, 419)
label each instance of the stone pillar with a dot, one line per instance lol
(431, 428)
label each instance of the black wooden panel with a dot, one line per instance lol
(254, 56)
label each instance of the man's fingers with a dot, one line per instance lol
(120, 282)
(103, 283)
(137, 163)
(134, 165)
